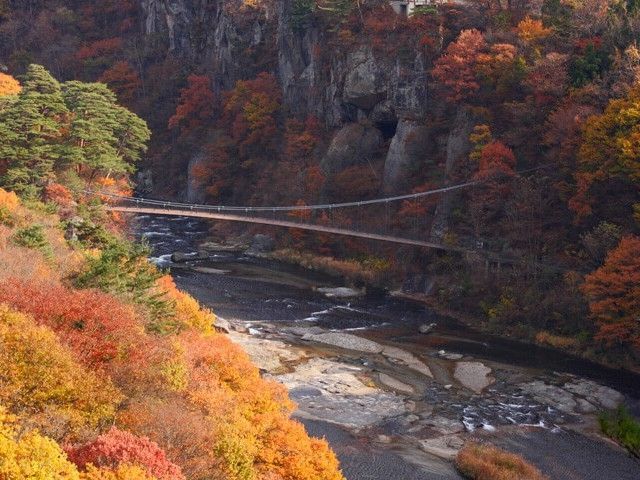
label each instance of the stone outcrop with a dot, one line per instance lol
(354, 144)
(408, 148)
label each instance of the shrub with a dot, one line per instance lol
(623, 428)
(30, 455)
(116, 447)
(58, 194)
(41, 379)
(486, 462)
(6, 217)
(33, 237)
(122, 269)
(96, 326)
(9, 200)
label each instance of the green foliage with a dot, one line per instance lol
(50, 129)
(31, 133)
(557, 14)
(622, 427)
(33, 237)
(589, 66)
(122, 269)
(301, 14)
(6, 217)
(106, 136)
(335, 12)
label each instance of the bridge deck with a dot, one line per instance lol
(289, 224)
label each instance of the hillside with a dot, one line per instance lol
(108, 370)
(279, 102)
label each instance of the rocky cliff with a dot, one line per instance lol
(341, 83)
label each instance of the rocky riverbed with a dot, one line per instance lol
(394, 403)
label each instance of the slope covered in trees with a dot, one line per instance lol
(109, 372)
(249, 102)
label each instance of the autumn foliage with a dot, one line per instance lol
(455, 70)
(613, 292)
(117, 447)
(8, 85)
(486, 462)
(195, 108)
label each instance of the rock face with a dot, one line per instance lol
(364, 85)
(337, 87)
(408, 148)
(457, 148)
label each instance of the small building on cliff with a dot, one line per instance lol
(407, 7)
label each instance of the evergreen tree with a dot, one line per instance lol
(31, 132)
(49, 128)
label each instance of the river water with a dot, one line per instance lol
(540, 402)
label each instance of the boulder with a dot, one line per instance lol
(180, 257)
(346, 341)
(473, 375)
(222, 326)
(354, 144)
(427, 328)
(261, 244)
(409, 148)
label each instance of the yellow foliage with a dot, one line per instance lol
(8, 200)
(31, 456)
(42, 380)
(174, 371)
(8, 85)
(532, 31)
(188, 311)
(123, 472)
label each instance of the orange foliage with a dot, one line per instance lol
(613, 292)
(8, 200)
(250, 109)
(455, 70)
(8, 85)
(486, 462)
(58, 194)
(188, 311)
(530, 30)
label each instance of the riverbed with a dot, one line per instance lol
(392, 402)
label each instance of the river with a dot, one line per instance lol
(394, 403)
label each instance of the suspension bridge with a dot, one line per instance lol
(296, 216)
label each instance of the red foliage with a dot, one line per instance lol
(123, 80)
(496, 160)
(100, 48)
(95, 325)
(314, 180)
(301, 138)
(195, 107)
(357, 182)
(116, 447)
(455, 70)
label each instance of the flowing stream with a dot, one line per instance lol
(394, 403)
